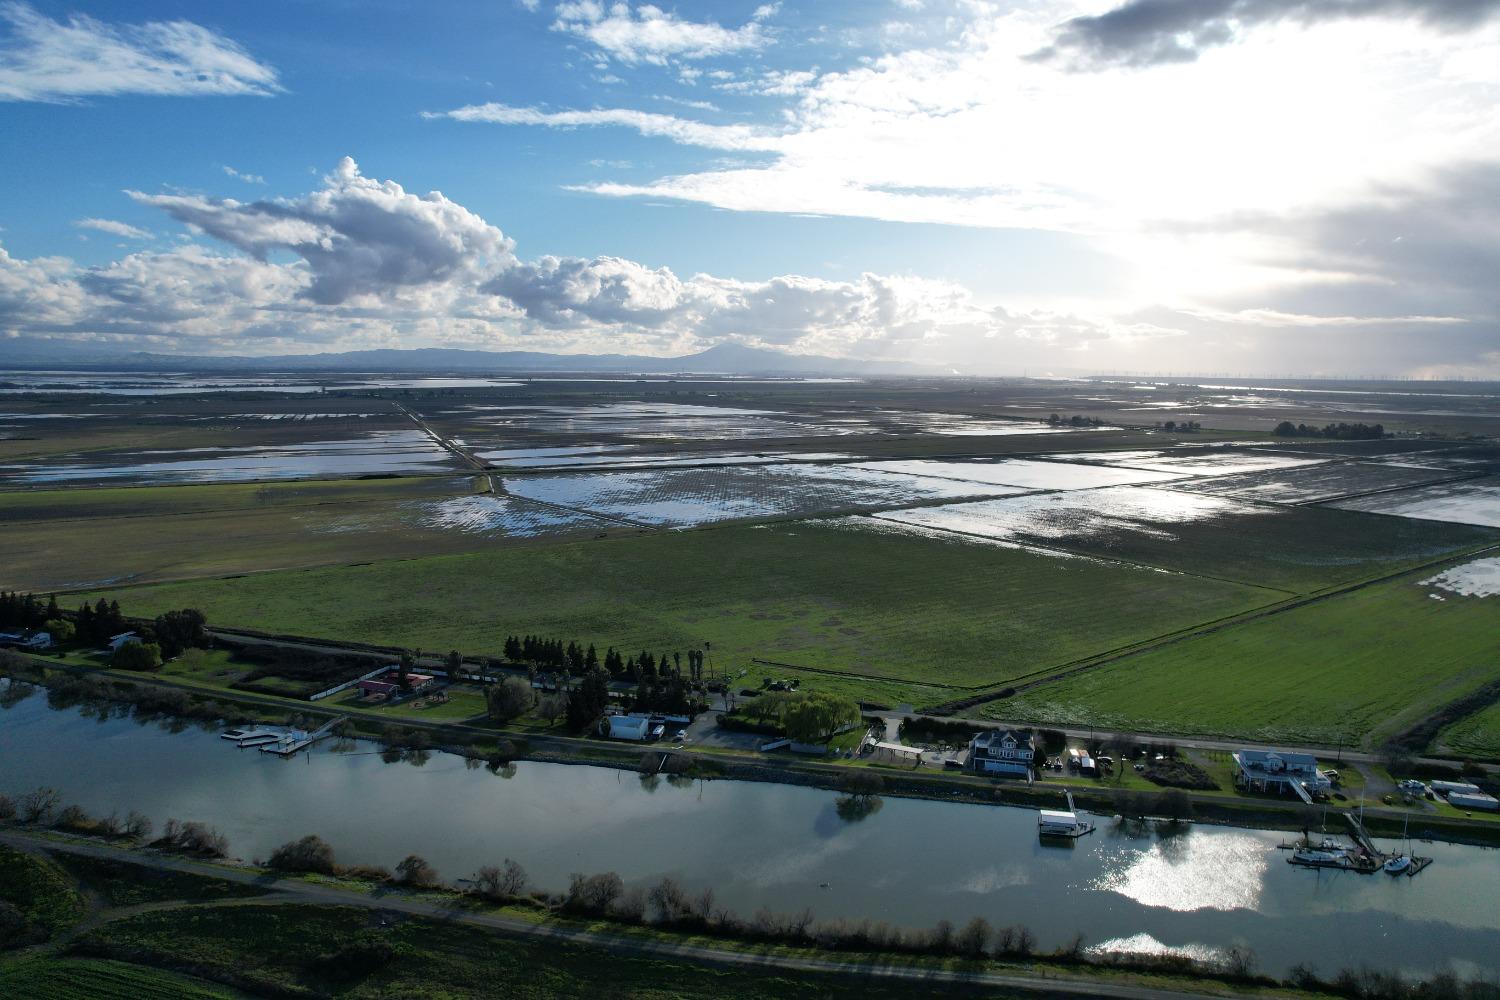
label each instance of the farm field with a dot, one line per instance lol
(1476, 736)
(45, 978)
(844, 597)
(1473, 501)
(683, 497)
(1296, 549)
(1358, 666)
(1311, 483)
(158, 533)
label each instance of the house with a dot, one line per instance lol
(626, 727)
(1003, 752)
(123, 639)
(1273, 770)
(388, 685)
(37, 640)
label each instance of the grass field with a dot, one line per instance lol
(41, 893)
(120, 883)
(46, 978)
(106, 536)
(1365, 664)
(836, 597)
(1478, 735)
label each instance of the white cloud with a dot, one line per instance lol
(240, 175)
(114, 228)
(361, 262)
(736, 137)
(358, 236)
(47, 60)
(651, 35)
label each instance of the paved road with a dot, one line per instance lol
(292, 891)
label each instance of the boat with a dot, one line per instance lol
(1396, 864)
(1328, 852)
(1068, 825)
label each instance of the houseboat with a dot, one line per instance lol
(1068, 825)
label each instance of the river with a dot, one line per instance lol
(1189, 888)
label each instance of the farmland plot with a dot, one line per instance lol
(1025, 474)
(1361, 665)
(681, 497)
(832, 596)
(1472, 501)
(1312, 483)
(1195, 461)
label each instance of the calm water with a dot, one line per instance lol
(1199, 890)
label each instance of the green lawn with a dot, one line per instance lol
(1363, 664)
(835, 597)
(464, 702)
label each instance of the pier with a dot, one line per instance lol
(296, 740)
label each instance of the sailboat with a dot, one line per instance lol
(1397, 864)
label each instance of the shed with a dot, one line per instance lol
(1462, 787)
(627, 727)
(1474, 800)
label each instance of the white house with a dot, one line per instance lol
(626, 727)
(1272, 770)
(1002, 752)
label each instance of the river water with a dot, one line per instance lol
(1193, 889)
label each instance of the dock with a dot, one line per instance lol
(296, 741)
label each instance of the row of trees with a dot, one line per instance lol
(553, 654)
(1074, 421)
(27, 610)
(1339, 431)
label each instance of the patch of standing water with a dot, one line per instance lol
(1480, 578)
(1463, 503)
(1077, 515)
(1024, 473)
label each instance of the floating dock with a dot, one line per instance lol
(296, 740)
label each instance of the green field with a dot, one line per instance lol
(829, 596)
(1365, 664)
(1476, 736)
(41, 893)
(70, 539)
(121, 883)
(48, 978)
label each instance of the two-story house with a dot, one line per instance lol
(1003, 752)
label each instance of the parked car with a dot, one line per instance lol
(680, 736)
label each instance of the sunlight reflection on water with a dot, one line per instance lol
(1191, 872)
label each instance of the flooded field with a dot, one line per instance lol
(1026, 474)
(377, 452)
(680, 498)
(1313, 483)
(1480, 578)
(1075, 516)
(607, 456)
(1475, 501)
(1195, 461)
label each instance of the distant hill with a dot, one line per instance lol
(731, 359)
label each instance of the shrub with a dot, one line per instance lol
(7, 808)
(310, 854)
(37, 805)
(509, 699)
(593, 894)
(415, 872)
(193, 838)
(137, 656)
(75, 819)
(974, 940)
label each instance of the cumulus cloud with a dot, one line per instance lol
(46, 60)
(651, 35)
(362, 263)
(114, 228)
(1152, 32)
(358, 236)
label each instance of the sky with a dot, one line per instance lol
(1273, 187)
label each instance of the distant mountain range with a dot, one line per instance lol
(725, 359)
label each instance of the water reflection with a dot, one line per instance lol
(1186, 870)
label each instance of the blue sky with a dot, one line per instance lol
(1216, 186)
